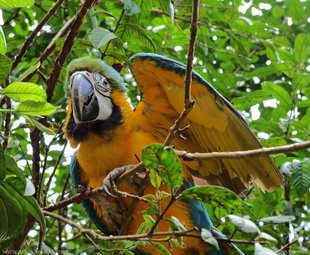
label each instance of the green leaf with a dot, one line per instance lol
(2, 42)
(131, 8)
(2, 165)
(218, 196)
(14, 187)
(149, 220)
(286, 67)
(304, 103)
(165, 162)
(142, 229)
(176, 225)
(250, 99)
(103, 12)
(12, 219)
(279, 219)
(279, 93)
(266, 236)
(28, 71)
(15, 3)
(301, 47)
(272, 55)
(277, 12)
(25, 91)
(301, 176)
(100, 36)
(40, 126)
(5, 66)
(243, 224)
(207, 236)
(129, 29)
(13, 168)
(300, 81)
(260, 250)
(162, 248)
(152, 210)
(33, 108)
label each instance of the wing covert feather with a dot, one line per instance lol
(214, 123)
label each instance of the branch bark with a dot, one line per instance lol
(243, 154)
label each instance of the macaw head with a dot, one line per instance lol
(91, 105)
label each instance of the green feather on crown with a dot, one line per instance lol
(97, 65)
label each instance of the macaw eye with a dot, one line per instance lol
(105, 82)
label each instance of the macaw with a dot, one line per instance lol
(109, 133)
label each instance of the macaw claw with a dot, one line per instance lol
(111, 178)
(78, 188)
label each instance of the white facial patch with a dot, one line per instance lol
(99, 96)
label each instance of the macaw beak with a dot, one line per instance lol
(84, 102)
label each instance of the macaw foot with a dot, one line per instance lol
(109, 181)
(78, 188)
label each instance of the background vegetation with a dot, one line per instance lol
(254, 53)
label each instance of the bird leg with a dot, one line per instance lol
(109, 181)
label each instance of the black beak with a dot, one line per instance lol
(84, 102)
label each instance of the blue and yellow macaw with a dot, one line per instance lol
(109, 133)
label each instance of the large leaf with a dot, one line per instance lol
(5, 66)
(165, 162)
(217, 196)
(301, 47)
(301, 176)
(13, 169)
(207, 236)
(243, 224)
(15, 3)
(28, 71)
(129, 29)
(12, 219)
(100, 36)
(14, 187)
(131, 8)
(279, 219)
(260, 250)
(279, 93)
(33, 108)
(25, 91)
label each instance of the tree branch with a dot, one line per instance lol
(243, 154)
(68, 44)
(141, 237)
(34, 33)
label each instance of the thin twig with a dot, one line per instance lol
(243, 154)
(47, 186)
(287, 245)
(34, 33)
(173, 198)
(115, 29)
(188, 103)
(140, 237)
(94, 244)
(68, 44)
(52, 45)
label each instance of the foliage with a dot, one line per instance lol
(255, 54)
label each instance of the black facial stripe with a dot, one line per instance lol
(79, 132)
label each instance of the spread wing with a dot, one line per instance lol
(214, 123)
